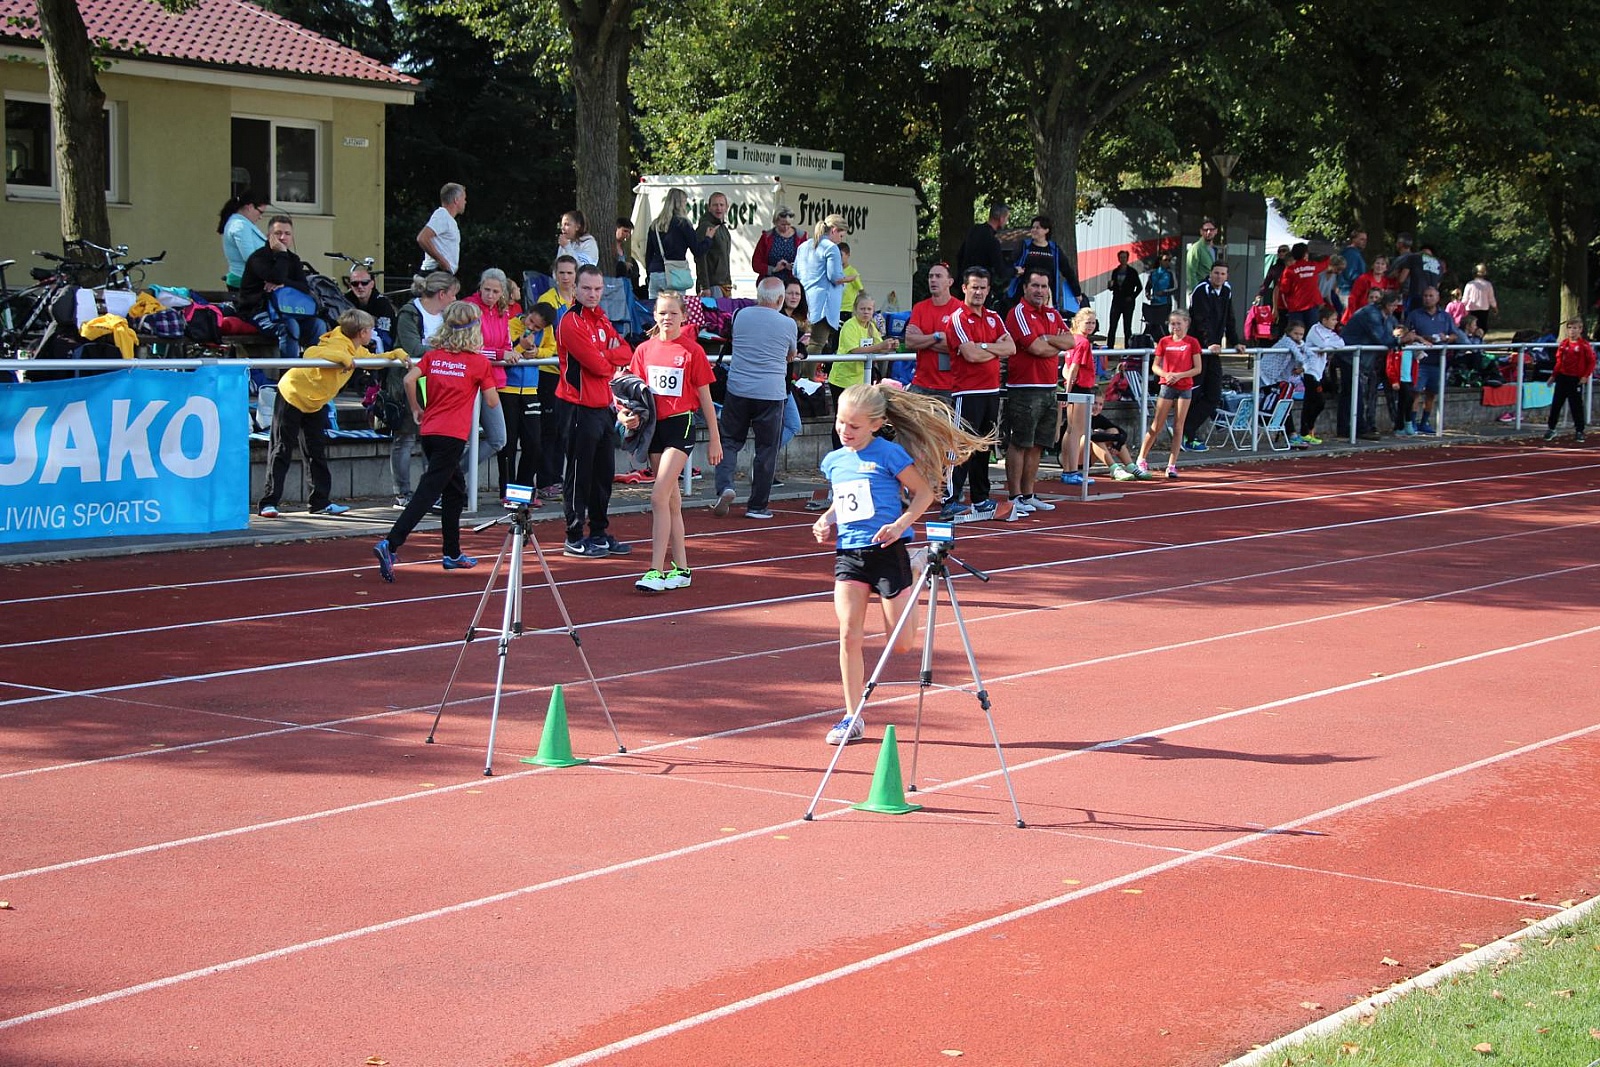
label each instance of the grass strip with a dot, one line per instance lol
(1538, 1006)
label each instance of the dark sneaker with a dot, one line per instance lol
(758, 513)
(551, 491)
(1549, 435)
(385, 559)
(612, 545)
(724, 502)
(1196, 446)
(462, 562)
(1578, 437)
(586, 549)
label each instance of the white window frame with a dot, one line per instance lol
(274, 123)
(114, 162)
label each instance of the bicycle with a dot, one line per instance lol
(27, 319)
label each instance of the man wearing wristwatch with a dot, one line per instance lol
(978, 342)
(927, 334)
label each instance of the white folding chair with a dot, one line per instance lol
(1273, 413)
(1235, 424)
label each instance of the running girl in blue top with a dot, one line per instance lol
(871, 477)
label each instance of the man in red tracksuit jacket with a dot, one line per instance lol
(591, 351)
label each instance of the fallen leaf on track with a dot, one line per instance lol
(1483, 1047)
(1529, 896)
(1469, 946)
(1387, 962)
(951, 1052)
(1566, 903)
(374, 1061)
(1310, 1005)
(5, 905)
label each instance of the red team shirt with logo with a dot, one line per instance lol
(983, 327)
(1299, 285)
(1079, 369)
(1176, 355)
(1026, 325)
(931, 320)
(453, 379)
(675, 371)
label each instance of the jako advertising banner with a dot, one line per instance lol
(130, 453)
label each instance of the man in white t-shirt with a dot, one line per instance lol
(440, 239)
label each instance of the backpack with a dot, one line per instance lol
(205, 324)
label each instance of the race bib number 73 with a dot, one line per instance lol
(852, 501)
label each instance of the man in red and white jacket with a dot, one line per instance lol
(978, 341)
(591, 351)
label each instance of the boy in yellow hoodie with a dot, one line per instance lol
(300, 413)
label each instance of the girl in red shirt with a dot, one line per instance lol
(1177, 362)
(456, 370)
(675, 368)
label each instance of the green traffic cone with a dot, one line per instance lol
(555, 746)
(888, 794)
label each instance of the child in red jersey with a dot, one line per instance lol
(1177, 363)
(456, 369)
(675, 368)
(1574, 365)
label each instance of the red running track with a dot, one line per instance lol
(1268, 727)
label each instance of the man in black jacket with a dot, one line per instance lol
(1212, 323)
(1374, 325)
(290, 317)
(982, 249)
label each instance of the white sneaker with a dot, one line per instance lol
(847, 730)
(724, 502)
(1035, 504)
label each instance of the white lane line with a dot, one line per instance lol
(1016, 768)
(923, 945)
(333, 724)
(792, 988)
(1074, 529)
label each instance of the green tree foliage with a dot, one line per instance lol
(496, 125)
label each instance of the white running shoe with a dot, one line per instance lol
(847, 730)
(1035, 504)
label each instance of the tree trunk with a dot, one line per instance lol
(958, 182)
(1572, 229)
(76, 106)
(600, 43)
(1057, 143)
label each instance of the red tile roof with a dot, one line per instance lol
(213, 33)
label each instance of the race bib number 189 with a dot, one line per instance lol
(852, 501)
(666, 381)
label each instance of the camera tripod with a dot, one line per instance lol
(518, 534)
(935, 575)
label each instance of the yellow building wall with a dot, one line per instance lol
(175, 166)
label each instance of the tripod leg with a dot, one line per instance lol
(925, 677)
(577, 642)
(872, 683)
(507, 620)
(983, 698)
(472, 632)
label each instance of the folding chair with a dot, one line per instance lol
(1235, 424)
(1276, 404)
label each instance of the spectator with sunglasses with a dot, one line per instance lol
(776, 250)
(364, 295)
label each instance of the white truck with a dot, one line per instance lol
(881, 220)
